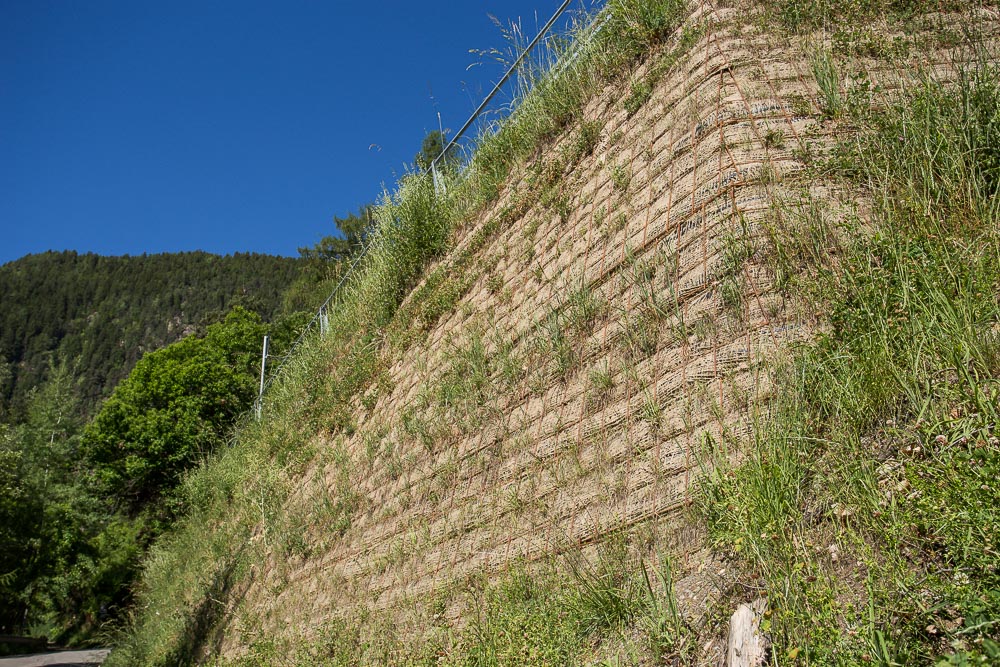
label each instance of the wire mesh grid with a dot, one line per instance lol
(553, 463)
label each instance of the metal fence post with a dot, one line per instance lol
(439, 186)
(263, 366)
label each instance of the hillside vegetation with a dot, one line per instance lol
(80, 501)
(713, 317)
(87, 484)
(99, 315)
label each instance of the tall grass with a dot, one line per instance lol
(882, 441)
(546, 615)
(828, 80)
(555, 86)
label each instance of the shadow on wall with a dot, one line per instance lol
(207, 625)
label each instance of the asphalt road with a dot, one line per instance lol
(88, 658)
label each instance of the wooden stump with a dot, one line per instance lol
(747, 645)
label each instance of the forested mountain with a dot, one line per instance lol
(100, 314)
(117, 376)
(80, 502)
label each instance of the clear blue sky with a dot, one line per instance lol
(140, 126)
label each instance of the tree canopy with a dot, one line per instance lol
(80, 504)
(432, 146)
(352, 231)
(174, 408)
(325, 261)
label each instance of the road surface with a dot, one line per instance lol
(87, 658)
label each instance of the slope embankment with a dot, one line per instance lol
(543, 400)
(569, 392)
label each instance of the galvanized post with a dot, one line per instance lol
(439, 187)
(263, 365)
(324, 322)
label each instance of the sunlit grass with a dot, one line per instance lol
(883, 435)
(240, 492)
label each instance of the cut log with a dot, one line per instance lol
(747, 646)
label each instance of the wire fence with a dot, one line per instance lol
(500, 84)
(321, 318)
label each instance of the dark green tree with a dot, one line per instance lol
(6, 378)
(432, 147)
(325, 262)
(352, 231)
(101, 314)
(46, 511)
(79, 506)
(20, 507)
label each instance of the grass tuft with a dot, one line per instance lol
(640, 94)
(828, 80)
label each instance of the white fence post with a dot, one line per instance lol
(263, 366)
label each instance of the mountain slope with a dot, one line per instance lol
(100, 314)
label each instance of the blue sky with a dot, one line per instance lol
(139, 126)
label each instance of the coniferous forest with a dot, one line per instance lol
(98, 315)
